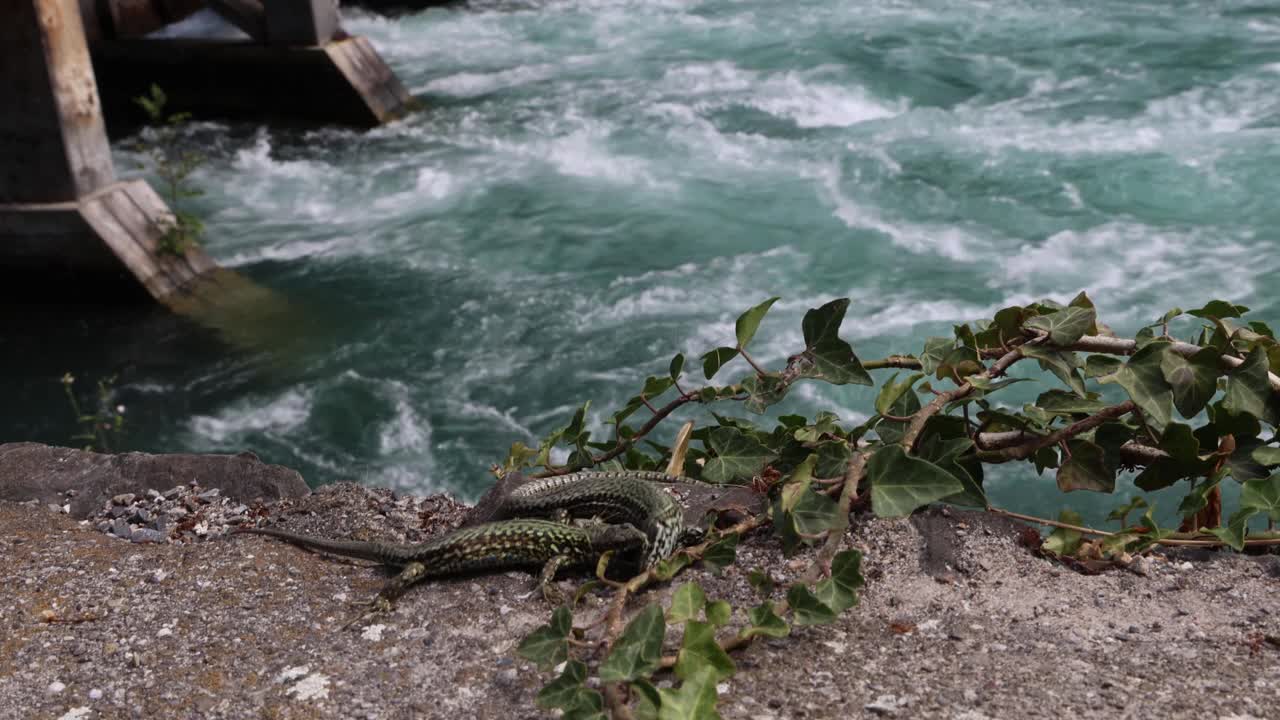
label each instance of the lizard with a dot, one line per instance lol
(529, 543)
(624, 496)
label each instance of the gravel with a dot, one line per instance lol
(965, 625)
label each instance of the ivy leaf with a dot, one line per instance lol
(1087, 469)
(935, 349)
(722, 552)
(1263, 495)
(1236, 528)
(807, 608)
(719, 612)
(1144, 381)
(840, 591)
(569, 693)
(1064, 364)
(574, 429)
(714, 360)
(796, 485)
(828, 357)
(1063, 541)
(1194, 379)
(1266, 456)
(638, 651)
(1100, 365)
(764, 621)
(891, 391)
(1121, 514)
(1066, 326)
(686, 603)
(1198, 498)
(761, 581)
(1248, 388)
(699, 650)
(1219, 309)
(655, 386)
(738, 456)
(548, 646)
(1058, 402)
(763, 391)
(676, 367)
(900, 484)
(749, 321)
(667, 568)
(959, 363)
(695, 699)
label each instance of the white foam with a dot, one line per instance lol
(277, 417)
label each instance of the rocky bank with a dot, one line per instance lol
(959, 619)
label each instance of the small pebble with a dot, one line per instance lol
(56, 687)
(123, 499)
(147, 535)
(172, 493)
(153, 494)
(95, 694)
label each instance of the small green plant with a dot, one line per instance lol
(173, 165)
(104, 427)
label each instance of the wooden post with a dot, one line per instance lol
(66, 225)
(53, 145)
(301, 22)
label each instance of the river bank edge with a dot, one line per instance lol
(959, 619)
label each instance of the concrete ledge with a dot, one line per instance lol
(344, 81)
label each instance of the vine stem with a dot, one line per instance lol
(1169, 542)
(623, 445)
(916, 426)
(1024, 451)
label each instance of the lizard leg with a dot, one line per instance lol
(385, 599)
(553, 594)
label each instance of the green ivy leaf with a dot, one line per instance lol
(807, 608)
(1194, 379)
(1100, 365)
(1263, 495)
(1198, 498)
(638, 651)
(676, 367)
(1066, 326)
(1063, 541)
(749, 321)
(1236, 529)
(815, 513)
(1087, 469)
(1266, 456)
(548, 646)
(719, 612)
(569, 693)
(761, 581)
(935, 349)
(655, 386)
(900, 484)
(828, 357)
(1249, 390)
(722, 552)
(1057, 402)
(714, 360)
(1121, 514)
(891, 391)
(1144, 381)
(669, 567)
(763, 391)
(840, 591)
(695, 699)
(1219, 309)
(797, 484)
(686, 603)
(1064, 364)
(738, 456)
(699, 650)
(764, 621)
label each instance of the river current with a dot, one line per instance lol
(594, 185)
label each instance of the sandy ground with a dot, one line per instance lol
(958, 620)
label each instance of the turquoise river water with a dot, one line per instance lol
(594, 185)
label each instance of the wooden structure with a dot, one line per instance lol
(68, 228)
